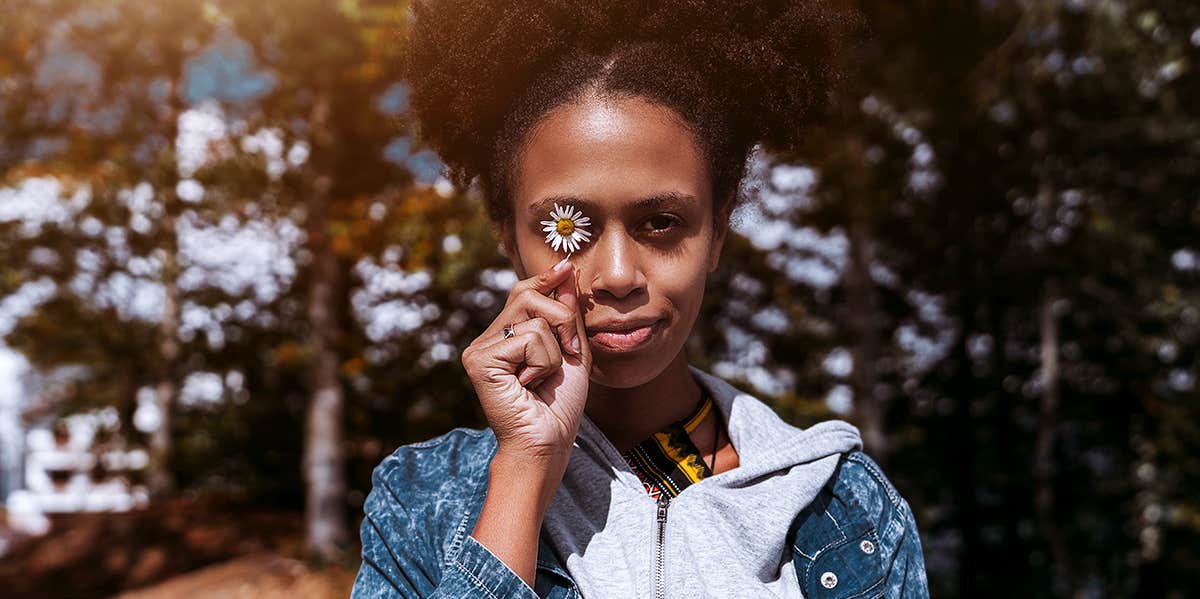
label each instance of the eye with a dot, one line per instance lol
(661, 224)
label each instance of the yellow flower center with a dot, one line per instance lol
(566, 226)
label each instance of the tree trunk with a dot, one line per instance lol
(324, 477)
(863, 301)
(159, 478)
(1043, 467)
(325, 516)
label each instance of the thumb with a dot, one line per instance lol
(548, 281)
(573, 337)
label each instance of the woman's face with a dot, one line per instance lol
(636, 171)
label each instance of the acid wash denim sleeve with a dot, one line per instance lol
(898, 526)
(416, 536)
(860, 539)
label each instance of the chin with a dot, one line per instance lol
(633, 369)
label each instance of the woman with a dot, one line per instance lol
(618, 135)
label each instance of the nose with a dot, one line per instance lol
(614, 265)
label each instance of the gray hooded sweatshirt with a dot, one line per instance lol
(724, 536)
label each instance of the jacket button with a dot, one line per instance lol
(867, 546)
(829, 580)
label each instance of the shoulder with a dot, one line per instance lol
(865, 492)
(861, 477)
(856, 532)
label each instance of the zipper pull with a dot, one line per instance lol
(663, 502)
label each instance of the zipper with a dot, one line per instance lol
(664, 501)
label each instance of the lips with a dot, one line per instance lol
(635, 335)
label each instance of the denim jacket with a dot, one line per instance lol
(857, 540)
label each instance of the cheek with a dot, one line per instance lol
(535, 254)
(682, 284)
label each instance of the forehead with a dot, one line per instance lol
(609, 153)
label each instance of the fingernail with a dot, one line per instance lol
(561, 265)
(575, 345)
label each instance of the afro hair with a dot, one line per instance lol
(738, 72)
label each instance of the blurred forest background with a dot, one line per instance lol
(222, 243)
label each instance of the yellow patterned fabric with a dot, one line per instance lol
(668, 461)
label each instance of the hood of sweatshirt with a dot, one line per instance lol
(724, 536)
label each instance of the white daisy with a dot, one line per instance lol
(568, 228)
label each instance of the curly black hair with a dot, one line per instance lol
(738, 72)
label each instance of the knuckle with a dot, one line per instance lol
(562, 313)
(567, 322)
(558, 313)
(516, 292)
(528, 293)
(520, 296)
(540, 323)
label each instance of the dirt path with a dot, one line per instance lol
(168, 549)
(260, 576)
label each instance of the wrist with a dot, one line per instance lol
(533, 461)
(527, 477)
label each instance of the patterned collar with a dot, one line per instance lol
(668, 461)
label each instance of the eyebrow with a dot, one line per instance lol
(542, 207)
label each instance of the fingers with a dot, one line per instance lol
(533, 345)
(547, 348)
(545, 282)
(560, 316)
(581, 329)
(529, 299)
(572, 333)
